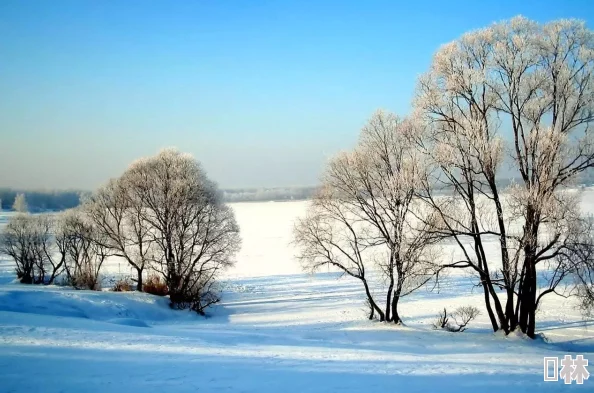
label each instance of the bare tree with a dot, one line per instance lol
(536, 80)
(194, 234)
(29, 241)
(364, 217)
(461, 318)
(118, 215)
(84, 249)
(578, 258)
(53, 258)
(17, 240)
(20, 204)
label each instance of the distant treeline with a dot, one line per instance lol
(301, 193)
(55, 200)
(38, 201)
(268, 194)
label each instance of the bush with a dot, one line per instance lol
(461, 318)
(155, 286)
(442, 320)
(85, 279)
(196, 298)
(122, 286)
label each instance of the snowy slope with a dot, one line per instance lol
(276, 331)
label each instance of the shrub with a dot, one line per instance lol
(442, 320)
(197, 298)
(122, 286)
(461, 318)
(155, 286)
(85, 279)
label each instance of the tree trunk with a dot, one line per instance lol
(57, 268)
(527, 318)
(510, 314)
(139, 280)
(488, 284)
(372, 302)
(528, 309)
(523, 317)
(390, 285)
(498, 309)
(395, 315)
(492, 318)
(52, 278)
(389, 301)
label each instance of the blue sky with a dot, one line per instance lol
(261, 92)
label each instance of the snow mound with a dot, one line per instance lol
(122, 308)
(129, 322)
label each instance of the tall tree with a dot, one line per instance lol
(536, 81)
(364, 218)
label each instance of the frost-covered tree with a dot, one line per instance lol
(20, 204)
(363, 219)
(117, 213)
(535, 80)
(29, 240)
(193, 233)
(84, 249)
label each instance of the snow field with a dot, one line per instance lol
(277, 330)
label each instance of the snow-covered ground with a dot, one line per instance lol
(277, 330)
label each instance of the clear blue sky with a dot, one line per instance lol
(261, 92)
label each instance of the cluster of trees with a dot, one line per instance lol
(40, 201)
(516, 89)
(163, 216)
(46, 246)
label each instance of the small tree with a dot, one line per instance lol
(29, 241)
(365, 217)
(20, 204)
(84, 249)
(17, 239)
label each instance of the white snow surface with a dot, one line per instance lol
(277, 330)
